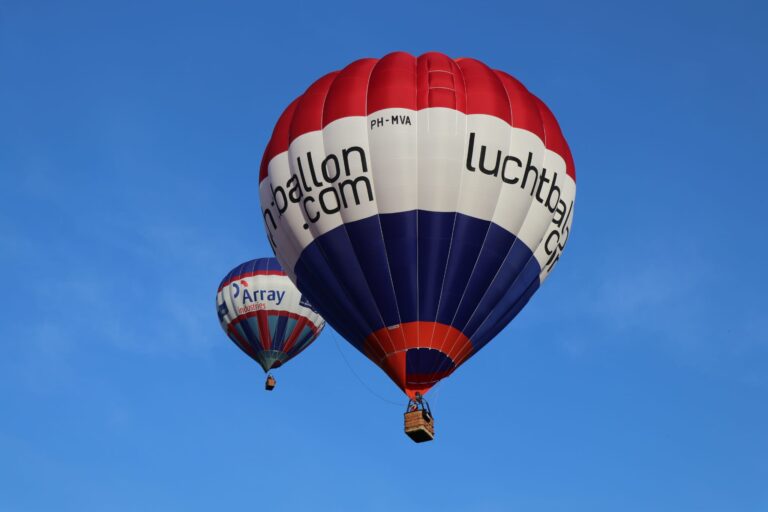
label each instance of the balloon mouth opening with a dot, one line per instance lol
(412, 392)
(439, 349)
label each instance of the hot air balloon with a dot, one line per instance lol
(265, 315)
(419, 203)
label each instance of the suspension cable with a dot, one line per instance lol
(371, 391)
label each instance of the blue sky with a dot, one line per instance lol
(130, 139)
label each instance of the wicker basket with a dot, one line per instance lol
(270, 384)
(419, 426)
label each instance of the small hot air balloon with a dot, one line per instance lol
(419, 202)
(265, 315)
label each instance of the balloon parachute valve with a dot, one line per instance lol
(269, 385)
(419, 423)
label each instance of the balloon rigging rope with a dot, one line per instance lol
(335, 337)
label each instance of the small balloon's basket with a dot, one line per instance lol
(419, 423)
(270, 384)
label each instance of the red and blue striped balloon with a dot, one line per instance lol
(419, 203)
(261, 310)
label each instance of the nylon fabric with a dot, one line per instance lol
(264, 314)
(419, 202)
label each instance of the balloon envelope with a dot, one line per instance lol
(418, 202)
(261, 310)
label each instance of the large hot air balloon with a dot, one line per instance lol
(419, 203)
(265, 315)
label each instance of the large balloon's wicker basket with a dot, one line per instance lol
(419, 426)
(270, 384)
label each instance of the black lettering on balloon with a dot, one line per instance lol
(323, 199)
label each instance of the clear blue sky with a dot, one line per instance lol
(130, 139)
